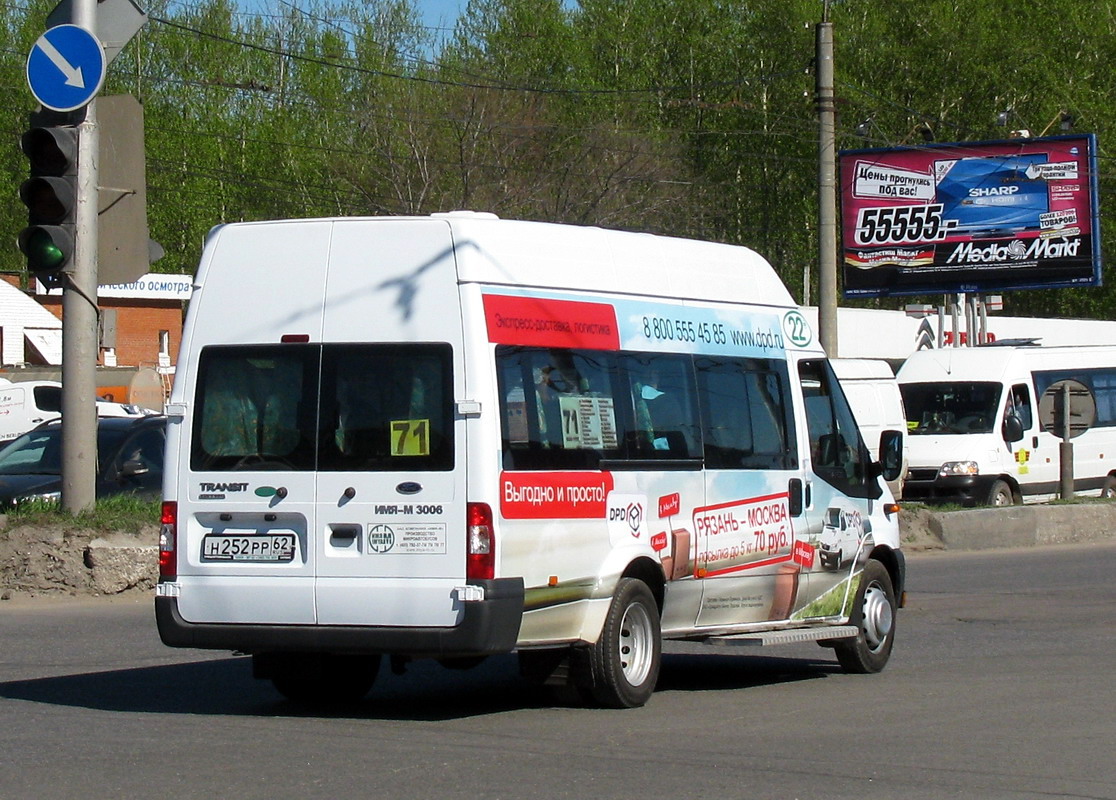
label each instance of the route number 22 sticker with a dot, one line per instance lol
(410, 437)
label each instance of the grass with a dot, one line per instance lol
(117, 513)
(935, 507)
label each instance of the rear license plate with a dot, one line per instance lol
(240, 547)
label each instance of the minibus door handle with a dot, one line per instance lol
(795, 497)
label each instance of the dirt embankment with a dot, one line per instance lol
(59, 561)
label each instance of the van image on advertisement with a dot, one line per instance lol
(456, 436)
(843, 536)
(975, 420)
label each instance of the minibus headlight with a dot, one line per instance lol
(958, 468)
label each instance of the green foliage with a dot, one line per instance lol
(117, 513)
(687, 117)
(837, 602)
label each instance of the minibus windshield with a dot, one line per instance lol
(954, 407)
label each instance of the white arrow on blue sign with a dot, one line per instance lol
(66, 68)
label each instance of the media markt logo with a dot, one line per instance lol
(797, 329)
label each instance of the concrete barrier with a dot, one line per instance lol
(119, 563)
(1025, 526)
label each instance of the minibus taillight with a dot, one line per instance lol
(168, 533)
(480, 557)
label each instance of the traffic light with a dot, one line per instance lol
(50, 194)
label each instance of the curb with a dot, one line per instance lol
(1025, 526)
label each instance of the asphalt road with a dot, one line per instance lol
(1000, 686)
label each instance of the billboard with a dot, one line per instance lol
(970, 217)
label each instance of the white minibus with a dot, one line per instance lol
(873, 393)
(976, 432)
(456, 436)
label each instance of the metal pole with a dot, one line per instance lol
(971, 319)
(954, 313)
(1065, 447)
(79, 319)
(982, 307)
(827, 192)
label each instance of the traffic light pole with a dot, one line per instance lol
(79, 319)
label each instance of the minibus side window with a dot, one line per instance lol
(744, 405)
(48, 398)
(837, 451)
(557, 407)
(1104, 392)
(1101, 381)
(1019, 405)
(661, 399)
(255, 408)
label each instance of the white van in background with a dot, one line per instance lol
(975, 432)
(873, 392)
(27, 404)
(453, 436)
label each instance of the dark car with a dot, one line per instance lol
(129, 460)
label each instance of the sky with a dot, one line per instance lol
(440, 13)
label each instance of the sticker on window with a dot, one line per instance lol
(410, 437)
(588, 422)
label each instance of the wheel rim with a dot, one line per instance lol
(636, 644)
(878, 616)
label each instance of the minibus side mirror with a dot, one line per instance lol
(891, 455)
(1012, 428)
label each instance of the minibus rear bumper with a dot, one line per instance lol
(487, 627)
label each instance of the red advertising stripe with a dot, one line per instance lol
(554, 495)
(539, 322)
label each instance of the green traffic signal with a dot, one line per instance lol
(50, 194)
(47, 247)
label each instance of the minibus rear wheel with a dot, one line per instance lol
(874, 615)
(625, 659)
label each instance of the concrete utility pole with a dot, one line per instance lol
(79, 318)
(827, 188)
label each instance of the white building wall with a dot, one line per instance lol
(893, 335)
(20, 313)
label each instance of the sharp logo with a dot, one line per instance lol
(972, 253)
(993, 191)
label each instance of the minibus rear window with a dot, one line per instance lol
(256, 408)
(385, 408)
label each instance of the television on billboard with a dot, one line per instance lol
(970, 217)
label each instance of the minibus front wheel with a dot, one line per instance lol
(874, 615)
(625, 659)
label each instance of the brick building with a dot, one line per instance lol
(141, 322)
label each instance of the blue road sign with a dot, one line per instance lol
(66, 68)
